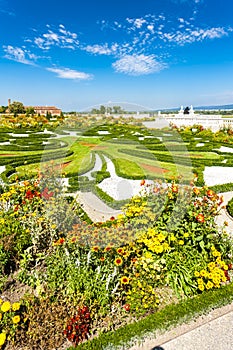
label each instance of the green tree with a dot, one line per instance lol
(30, 111)
(3, 109)
(16, 108)
(102, 109)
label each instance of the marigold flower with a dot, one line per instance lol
(118, 261)
(124, 280)
(196, 274)
(102, 258)
(16, 319)
(181, 242)
(142, 183)
(196, 191)
(6, 306)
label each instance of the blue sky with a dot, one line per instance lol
(156, 53)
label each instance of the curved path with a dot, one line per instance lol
(223, 215)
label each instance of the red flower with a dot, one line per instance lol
(200, 218)
(112, 218)
(45, 194)
(126, 307)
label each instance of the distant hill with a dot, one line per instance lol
(215, 107)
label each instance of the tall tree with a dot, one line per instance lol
(16, 108)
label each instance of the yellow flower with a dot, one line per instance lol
(15, 306)
(209, 285)
(196, 274)
(124, 280)
(118, 261)
(186, 235)
(201, 287)
(0, 316)
(6, 306)
(211, 266)
(2, 338)
(16, 319)
(181, 242)
(161, 237)
(203, 273)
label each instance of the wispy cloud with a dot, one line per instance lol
(138, 65)
(191, 36)
(99, 49)
(60, 37)
(20, 55)
(67, 73)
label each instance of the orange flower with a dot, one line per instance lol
(196, 191)
(210, 193)
(142, 183)
(174, 188)
(200, 218)
(102, 258)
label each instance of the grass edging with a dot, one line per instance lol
(163, 320)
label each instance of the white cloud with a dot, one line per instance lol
(191, 36)
(98, 49)
(138, 65)
(20, 55)
(67, 73)
(61, 38)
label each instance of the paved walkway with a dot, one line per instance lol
(209, 332)
(224, 216)
(95, 208)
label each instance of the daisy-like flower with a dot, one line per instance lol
(124, 280)
(200, 218)
(95, 248)
(120, 250)
(118, 261)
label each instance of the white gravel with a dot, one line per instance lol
(118, 187)
(216, 175)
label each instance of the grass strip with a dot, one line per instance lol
(163, 320)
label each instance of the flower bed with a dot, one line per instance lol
(87, 279)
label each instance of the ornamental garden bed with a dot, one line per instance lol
(69, 282)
